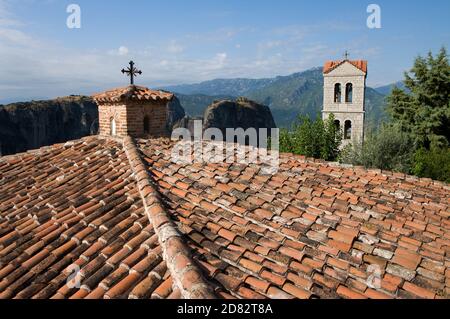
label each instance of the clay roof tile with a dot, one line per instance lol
(132, 93)
(313, 229)
(331, 65)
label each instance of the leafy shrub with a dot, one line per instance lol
(388, 149)
(434, 163)
(318, 139)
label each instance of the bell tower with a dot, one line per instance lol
(344, 96)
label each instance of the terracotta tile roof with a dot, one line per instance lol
(141, 226)
(185, 274)
(132, 93)
(331, 65)
(76, 204)
(311, 230)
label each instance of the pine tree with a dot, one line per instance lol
(424, 110)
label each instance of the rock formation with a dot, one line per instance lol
(30, 125)
(242, 113)
(175, 113)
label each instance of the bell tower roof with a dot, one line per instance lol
(331, 65)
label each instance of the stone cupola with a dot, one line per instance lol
(133, 110)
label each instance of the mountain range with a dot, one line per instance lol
(29, 125)
(287, 96)
(388, 88)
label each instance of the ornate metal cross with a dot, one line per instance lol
(346, 54)
(131, 71)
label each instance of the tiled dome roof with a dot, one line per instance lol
(132, 93)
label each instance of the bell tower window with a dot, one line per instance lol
(337, 124)
(348, 130)
(337, 93)
(349, 93)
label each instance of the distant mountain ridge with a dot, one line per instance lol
(217, 87)
(33, 124)
(386, 89)
(195, 104)
(287, 96)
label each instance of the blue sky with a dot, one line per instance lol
(185, 41)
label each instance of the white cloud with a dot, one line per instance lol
(53, 70)
(174, 47)
(267, 45)
(8, 22)
(221, 58)
(315, 49)
(9, 35)
(121, 51)
(293, 32)
(171, 70)
(7, 19)
(221, 35)
(14, 37)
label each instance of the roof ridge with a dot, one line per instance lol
(132, 93)
(186, 275)
(332, 65)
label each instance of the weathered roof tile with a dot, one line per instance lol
(132, 93)
(313, 229)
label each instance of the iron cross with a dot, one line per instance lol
(131, 71)
(346, 54)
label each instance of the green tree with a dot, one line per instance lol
(318, 139)
(433, 163)
(332, 139)
(418, 138)
(424, 109)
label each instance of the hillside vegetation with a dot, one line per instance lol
(287, 96)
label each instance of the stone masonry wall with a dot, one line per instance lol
(108, 111)
(354, 111)
(157, 114)
(130, 118)
(357, 120)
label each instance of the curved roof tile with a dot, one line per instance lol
(331, 65)
(137, 225)
(132, 93)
